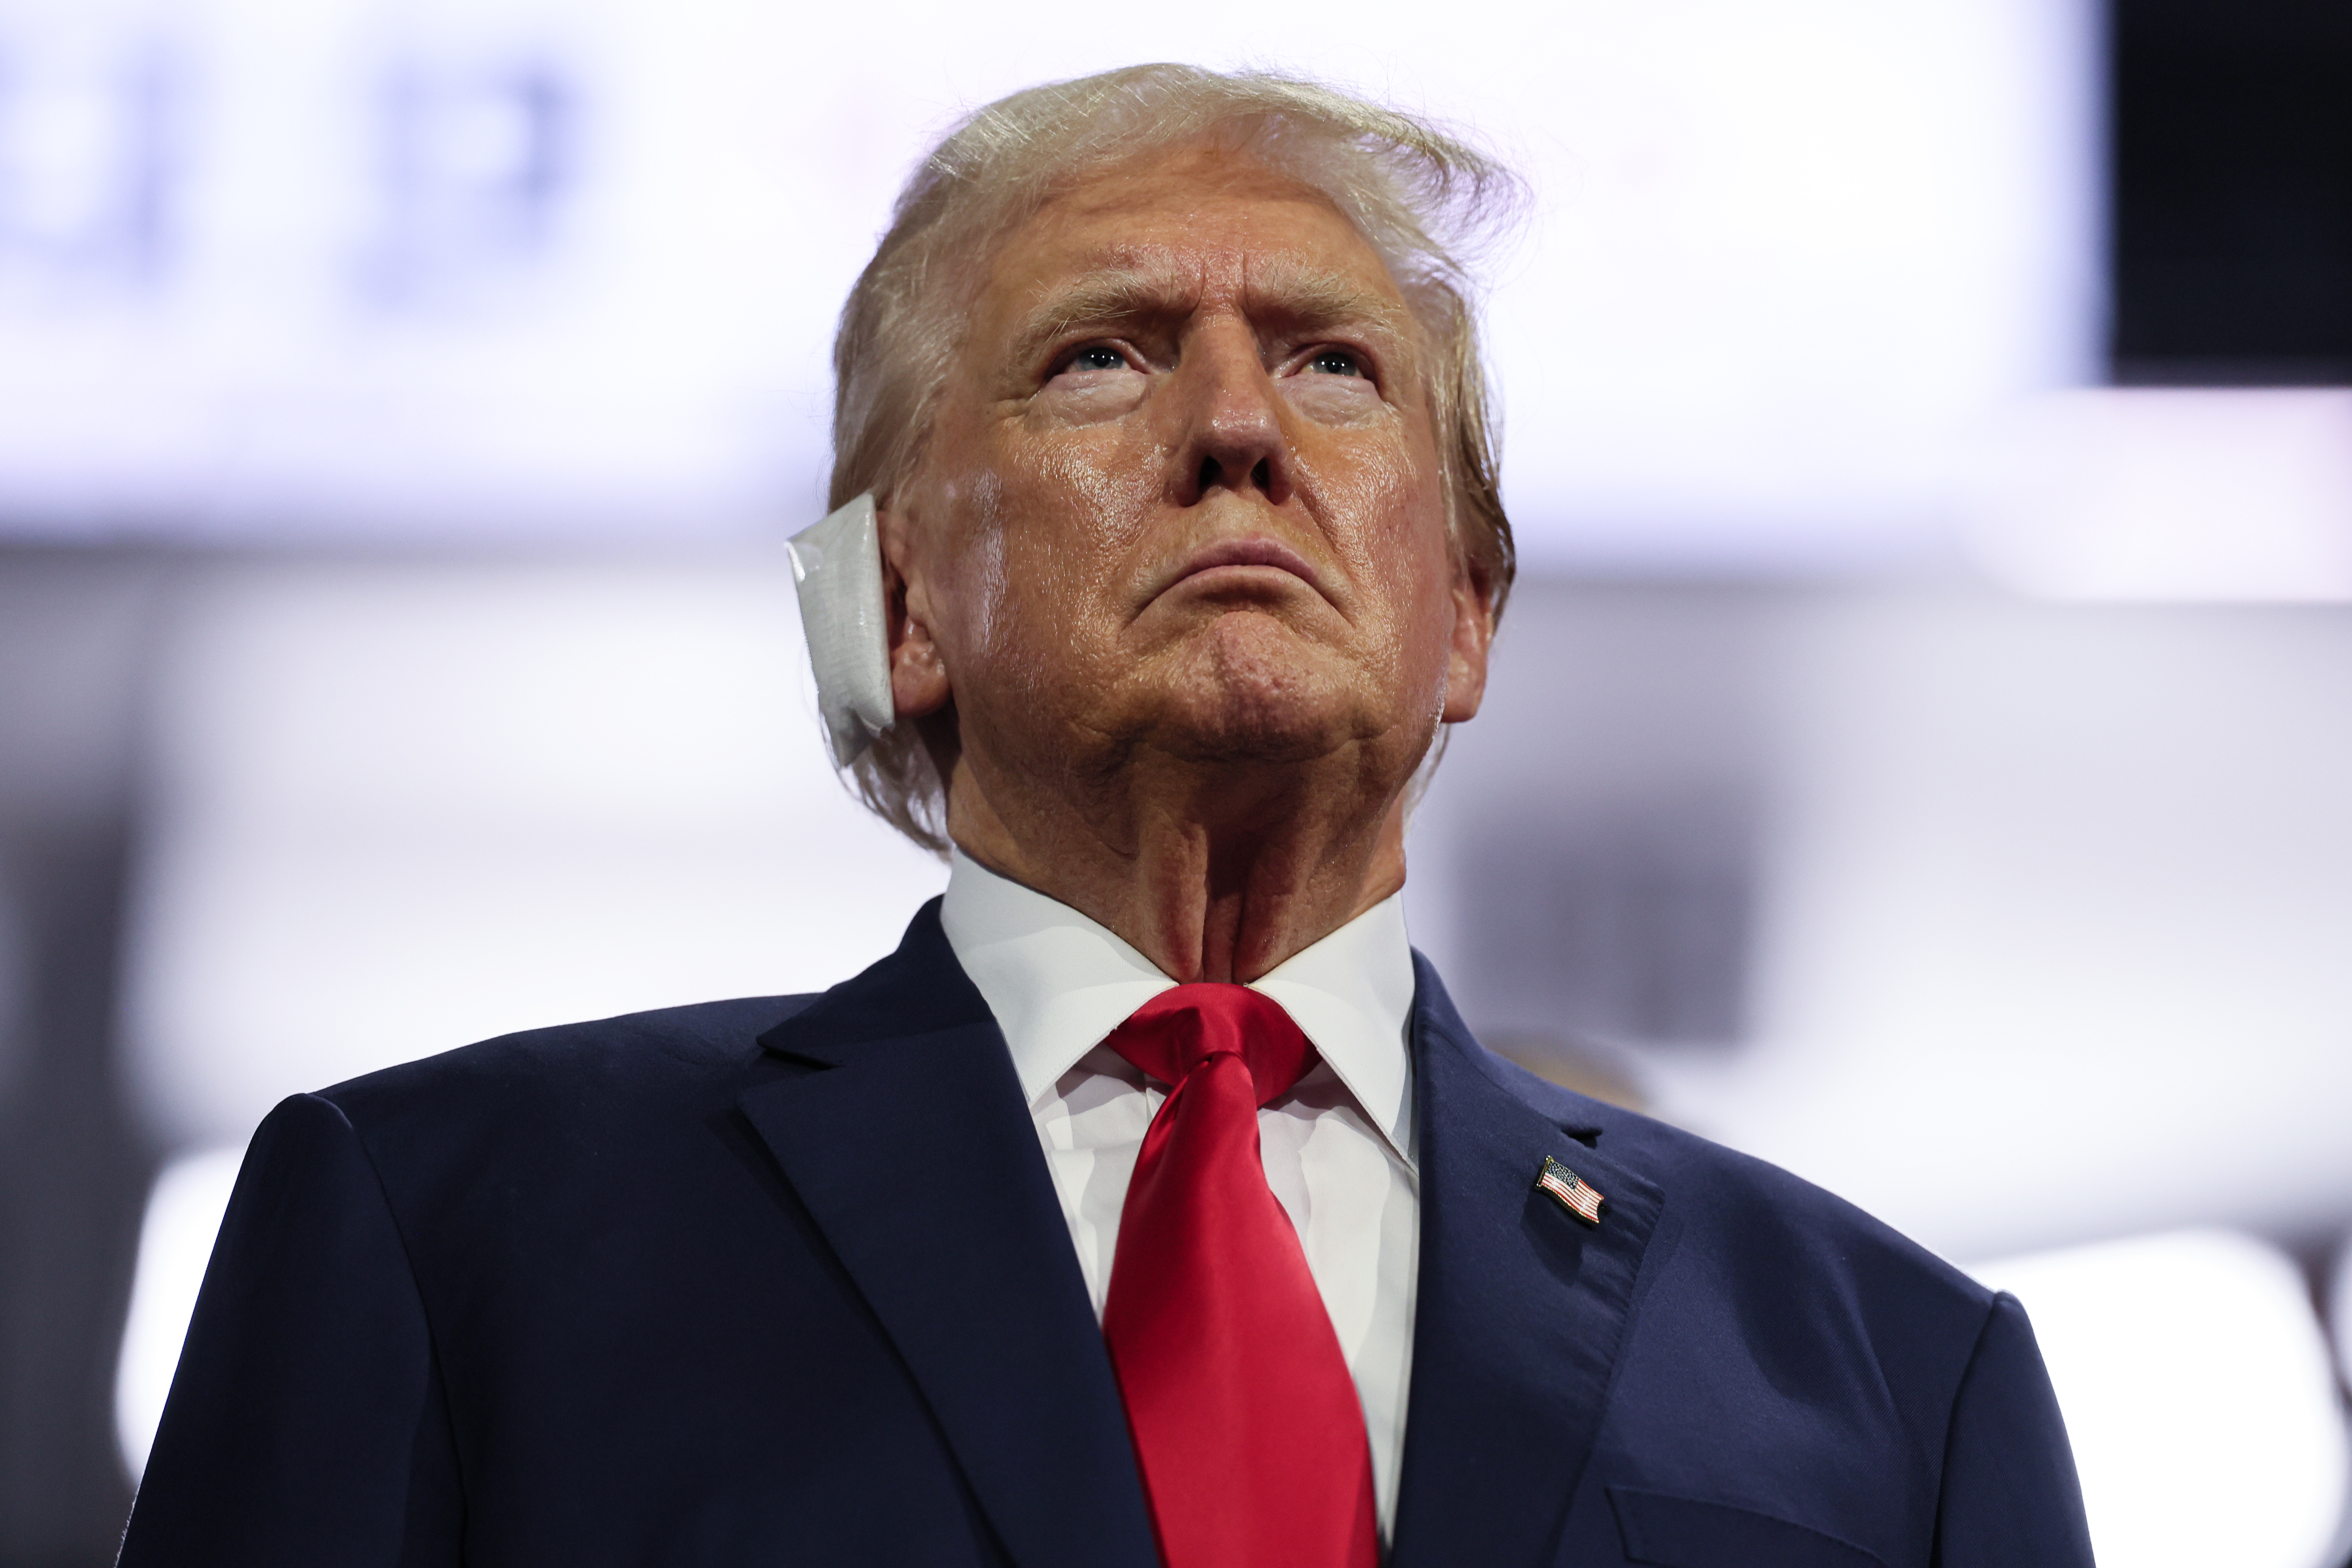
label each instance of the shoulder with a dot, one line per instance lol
(1741, 1226)
(1782, 1318)
(1780, 1252)
(582, 1075)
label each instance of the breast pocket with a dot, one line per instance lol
(1684, 1532)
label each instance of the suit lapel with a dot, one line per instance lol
(1520, 1311)
(910, 1146)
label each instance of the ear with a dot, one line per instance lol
(837, 567)
(1474, 638)
(918, 675)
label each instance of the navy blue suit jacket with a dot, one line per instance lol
(785, 1281)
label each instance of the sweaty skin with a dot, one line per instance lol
(1177, 554)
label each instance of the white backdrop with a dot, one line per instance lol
(567, 268)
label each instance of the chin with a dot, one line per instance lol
(1257, 695)
(1252, 732)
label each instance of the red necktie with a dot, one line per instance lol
(1245, 1420)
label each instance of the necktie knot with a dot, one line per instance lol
(1185, 1026)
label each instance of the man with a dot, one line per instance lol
(1152, 1201)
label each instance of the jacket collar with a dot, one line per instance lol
(1521, 1308)
(908, 1140)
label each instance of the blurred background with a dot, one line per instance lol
(1920, 752)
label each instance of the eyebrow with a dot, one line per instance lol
(1307, 298)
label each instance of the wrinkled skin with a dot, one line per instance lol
(1177, 555)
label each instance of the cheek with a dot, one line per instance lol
(1401, 544)
(970, 614)
(1403, 562)
(1043, 537)
(1095, 484)
(1076, 507)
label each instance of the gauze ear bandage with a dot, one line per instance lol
(837, 567)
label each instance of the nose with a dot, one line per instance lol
(1231, 436)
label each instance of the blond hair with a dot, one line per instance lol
(1420, 198)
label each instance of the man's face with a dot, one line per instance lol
(1182, 493)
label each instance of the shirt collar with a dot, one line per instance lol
(1060, 982)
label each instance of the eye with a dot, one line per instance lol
(1337, 361)
(1094, 356)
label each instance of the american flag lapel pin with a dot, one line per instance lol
(1571, 1191)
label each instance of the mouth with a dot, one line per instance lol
(1248, 553)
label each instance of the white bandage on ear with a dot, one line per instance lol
(837, 566)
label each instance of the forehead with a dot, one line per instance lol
(1192, 225)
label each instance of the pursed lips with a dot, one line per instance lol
(1247, 553)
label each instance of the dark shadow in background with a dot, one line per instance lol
(1604, 819)
(73, 1171)
(2230, 179)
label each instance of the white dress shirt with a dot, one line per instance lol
(1338, 1148)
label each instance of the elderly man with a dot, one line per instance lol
(1151, 1202)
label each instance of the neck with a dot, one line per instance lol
(1212, 873)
